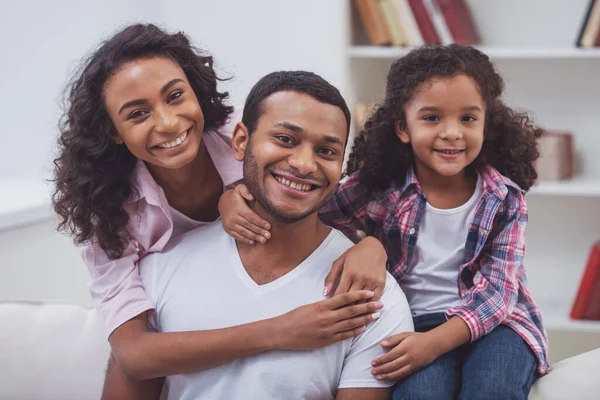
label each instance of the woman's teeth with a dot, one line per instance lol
(175, 142)
(298, 186)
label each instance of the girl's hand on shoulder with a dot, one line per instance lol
(363, 266)
(239, 220)
(320, 324)
(408, 353)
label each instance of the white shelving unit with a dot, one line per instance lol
(495, 53)
(532, 44)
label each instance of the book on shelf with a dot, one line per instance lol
(556, 156)
(589, 33)
(587, 299)
(417, 22)
(373, 22)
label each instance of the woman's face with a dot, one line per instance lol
(155, 111)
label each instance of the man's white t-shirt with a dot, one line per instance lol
(200, 283)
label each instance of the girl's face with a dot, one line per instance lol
(155, 112)
(445, 121)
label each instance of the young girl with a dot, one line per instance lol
(145, 154)
(438, 174)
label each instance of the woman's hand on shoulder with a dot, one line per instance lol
(239, 221)
(320, 324)
(363, 266)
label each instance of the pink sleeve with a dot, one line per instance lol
(116, 286)
(218, 144)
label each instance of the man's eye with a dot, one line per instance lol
(285, 139)
(137, 114)
(175, 95)
(328, 152)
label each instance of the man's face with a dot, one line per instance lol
(293, 160)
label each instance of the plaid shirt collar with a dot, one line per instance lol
(492, 181)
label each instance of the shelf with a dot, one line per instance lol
(555, 316)
(498, 53)
(583, 187)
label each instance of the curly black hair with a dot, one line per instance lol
(510, 138)
(92, 173)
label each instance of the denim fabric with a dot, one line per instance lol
(500, 365)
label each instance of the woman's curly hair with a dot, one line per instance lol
(92, 173)
(510, 139)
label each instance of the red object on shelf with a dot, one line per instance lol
(587, 300)
(460, 21)
(430, 35)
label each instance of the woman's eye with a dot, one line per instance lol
(137, 114)
(468, 118)
(431, 118)
(175, 95)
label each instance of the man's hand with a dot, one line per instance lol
(363, 266)
(239, 220)
(409, 352)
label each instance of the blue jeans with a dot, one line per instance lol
(498, 366)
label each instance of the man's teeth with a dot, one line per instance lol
(293, 185)
(175, 142)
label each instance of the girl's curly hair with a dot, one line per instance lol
(92, 173)
(510, 139)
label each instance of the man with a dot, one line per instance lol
(292, 140)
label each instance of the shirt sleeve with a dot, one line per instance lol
(116, 286)
(347, 210)
(495, 289)
(218, 143)
(395, 318)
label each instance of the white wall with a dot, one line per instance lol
(41, 42)
(249, 39)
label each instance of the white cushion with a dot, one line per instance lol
(573, 378)
(50, 351)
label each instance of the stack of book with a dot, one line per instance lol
(417, 22)
(589, 34)
(587, 300)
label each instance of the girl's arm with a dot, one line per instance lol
(143, 354)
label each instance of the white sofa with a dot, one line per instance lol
(51, 351)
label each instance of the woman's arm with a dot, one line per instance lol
(143, 354)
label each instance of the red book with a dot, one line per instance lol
(430, 35)
(593, 309)
(597, 41)
(459, 21)
(590, 278)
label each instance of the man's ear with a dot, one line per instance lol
(240, 141)
(401, 133)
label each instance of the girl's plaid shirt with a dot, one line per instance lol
(491, 282)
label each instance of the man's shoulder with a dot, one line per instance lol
(193, 242)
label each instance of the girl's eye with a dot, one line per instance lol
(137, 114)
(175, 95)
(285, 139)
(468, 118)
(431, 118)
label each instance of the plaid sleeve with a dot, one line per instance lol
(495, 283)
(347, 209)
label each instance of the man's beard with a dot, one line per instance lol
(251, 177)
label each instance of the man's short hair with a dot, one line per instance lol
(297, 81)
